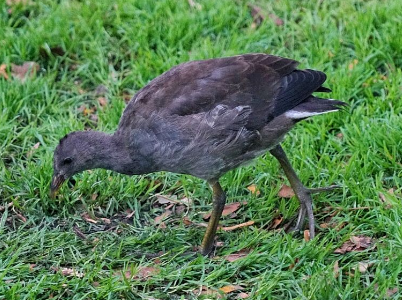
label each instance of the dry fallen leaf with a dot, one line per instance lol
(235, 256)
(275, 222)
(145, 272)
(159, 219)
(391, 292)
(3, 208)
(30, 152)
(87, 218)
(234, 227)
(3, 72)
(227, 210)
(102, 101)
(205, 291)
(242, 296)
(231, 288)
(336, 269)
(130, 214)
(278, 21)
(384, 200)
(294, 263)
(253, 189)
(356, 243)
(256, 13)
(28, 69)
(69, 272)
(340, 135)
(363, 266)
(306, 234)
(286, 192)
(353, 64)
(187, 221)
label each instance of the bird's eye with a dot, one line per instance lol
(67, 160)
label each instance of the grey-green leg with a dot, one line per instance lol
(302, 193)
(219, 199)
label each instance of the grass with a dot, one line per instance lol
(121, 45)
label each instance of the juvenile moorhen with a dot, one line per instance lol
(205, 118)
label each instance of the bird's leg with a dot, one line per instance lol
(302, 193)
(219, 198)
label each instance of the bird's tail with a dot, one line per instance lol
(313, 106)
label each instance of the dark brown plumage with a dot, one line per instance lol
(205, 118)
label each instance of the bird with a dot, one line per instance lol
(204, 118)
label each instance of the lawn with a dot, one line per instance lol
(109, 236)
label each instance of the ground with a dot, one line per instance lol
(109, 236)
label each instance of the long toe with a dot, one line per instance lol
(300, 219)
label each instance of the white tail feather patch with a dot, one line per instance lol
(294, 114)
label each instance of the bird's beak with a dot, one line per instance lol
(57, 181)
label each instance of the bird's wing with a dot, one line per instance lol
(268, 84)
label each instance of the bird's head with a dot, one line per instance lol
(71, 156)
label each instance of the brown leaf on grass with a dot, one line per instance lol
(391, 292)
(105, 220)
(130, 214)
(363, 266)
(187, 221)
(87, 218)
(94, 196)
(102, 101)
(242, 295)
(227, 210)
(32, 267)
(259, 16)
(275, 222)
(278, 21)
(158, 220)
(231, 288)
(256, 14)
(356, 243)
(3, 208)
(238, 255)
(86, 111)
(336, 269)
(68, 272)
(146, 272)
(205, 291)
(384, 200)
(234, 227)
(353, 64)
(3, 71)
(286, 192)
(306, 234)
(166, 199)
(294, 263)
(340, 136)
(254, 190)
(141, 274)
(34, 147)
(28, 69)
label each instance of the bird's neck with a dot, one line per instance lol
(110, 152)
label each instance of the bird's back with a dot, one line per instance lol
(206, 117)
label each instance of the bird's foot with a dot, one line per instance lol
(306, 207)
